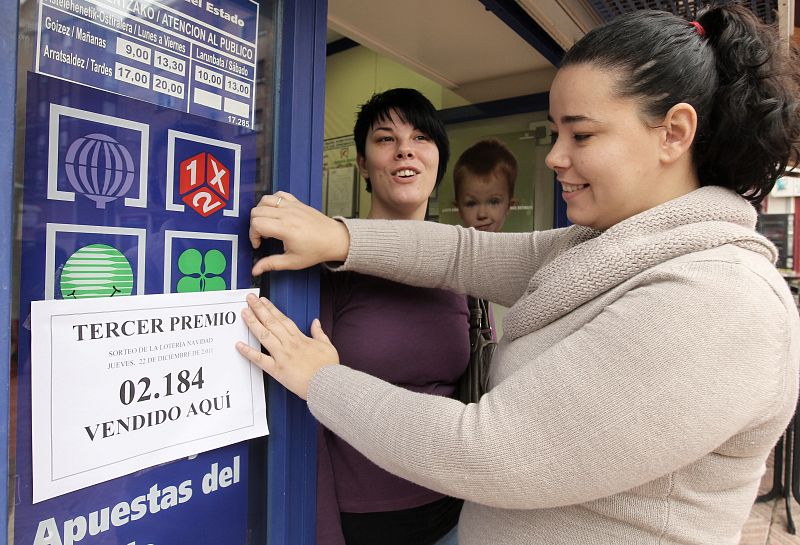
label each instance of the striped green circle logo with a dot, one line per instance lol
(97, 270)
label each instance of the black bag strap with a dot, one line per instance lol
(486, 325)
(479, 323)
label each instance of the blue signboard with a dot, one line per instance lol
(126, 197)
(197, 56)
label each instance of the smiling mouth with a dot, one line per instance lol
(404, 173)
(571, 188)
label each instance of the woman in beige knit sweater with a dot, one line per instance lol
(650, 356)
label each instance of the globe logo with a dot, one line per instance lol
(99, 167)
(96, 270)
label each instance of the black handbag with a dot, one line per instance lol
(474, 382)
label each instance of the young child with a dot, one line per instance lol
(484, 178)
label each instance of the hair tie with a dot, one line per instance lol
(699, 28)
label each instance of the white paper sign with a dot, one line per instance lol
(341, 191)
(121, 384)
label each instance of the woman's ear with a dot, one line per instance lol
(362, 166)
(680, 126)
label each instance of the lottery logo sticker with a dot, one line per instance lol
(195, 262)
(96, 270)
(202, 174)
(90, 261)
(101, 157)
(205, 183)
(201, 271)
(99, 168)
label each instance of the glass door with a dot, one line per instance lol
(144, 130)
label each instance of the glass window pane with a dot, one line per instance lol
(114, 98)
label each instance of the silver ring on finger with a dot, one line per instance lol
(278, 202)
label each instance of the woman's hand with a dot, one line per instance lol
(309, 236)
(293, 358)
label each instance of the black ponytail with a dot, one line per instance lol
(754, 127)
(734, 71)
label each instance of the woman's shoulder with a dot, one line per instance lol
(730, 276)
(729, 260)
(735, 311)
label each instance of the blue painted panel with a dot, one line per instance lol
(63, 124)
(300, 104)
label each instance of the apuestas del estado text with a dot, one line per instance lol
(157, 498)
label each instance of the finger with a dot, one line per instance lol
(255, 238)
(262, 226)
(270, 201)
(283, 319)
(255, 233)
(270, 317)
(286, 196)
(260, 331)
(317, 332)
(265, 362)
(265, 211)
(278, 262)
(276, 199)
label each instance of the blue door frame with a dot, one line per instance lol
(299, 118)
(299, 107)
(8, 89)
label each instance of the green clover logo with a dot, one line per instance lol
(201, 272)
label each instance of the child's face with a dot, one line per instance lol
(484, 202)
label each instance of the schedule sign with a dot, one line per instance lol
(197, 56)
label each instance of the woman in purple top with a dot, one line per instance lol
(414, 337)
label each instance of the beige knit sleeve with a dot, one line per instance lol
(494, 266)
(665, 374)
